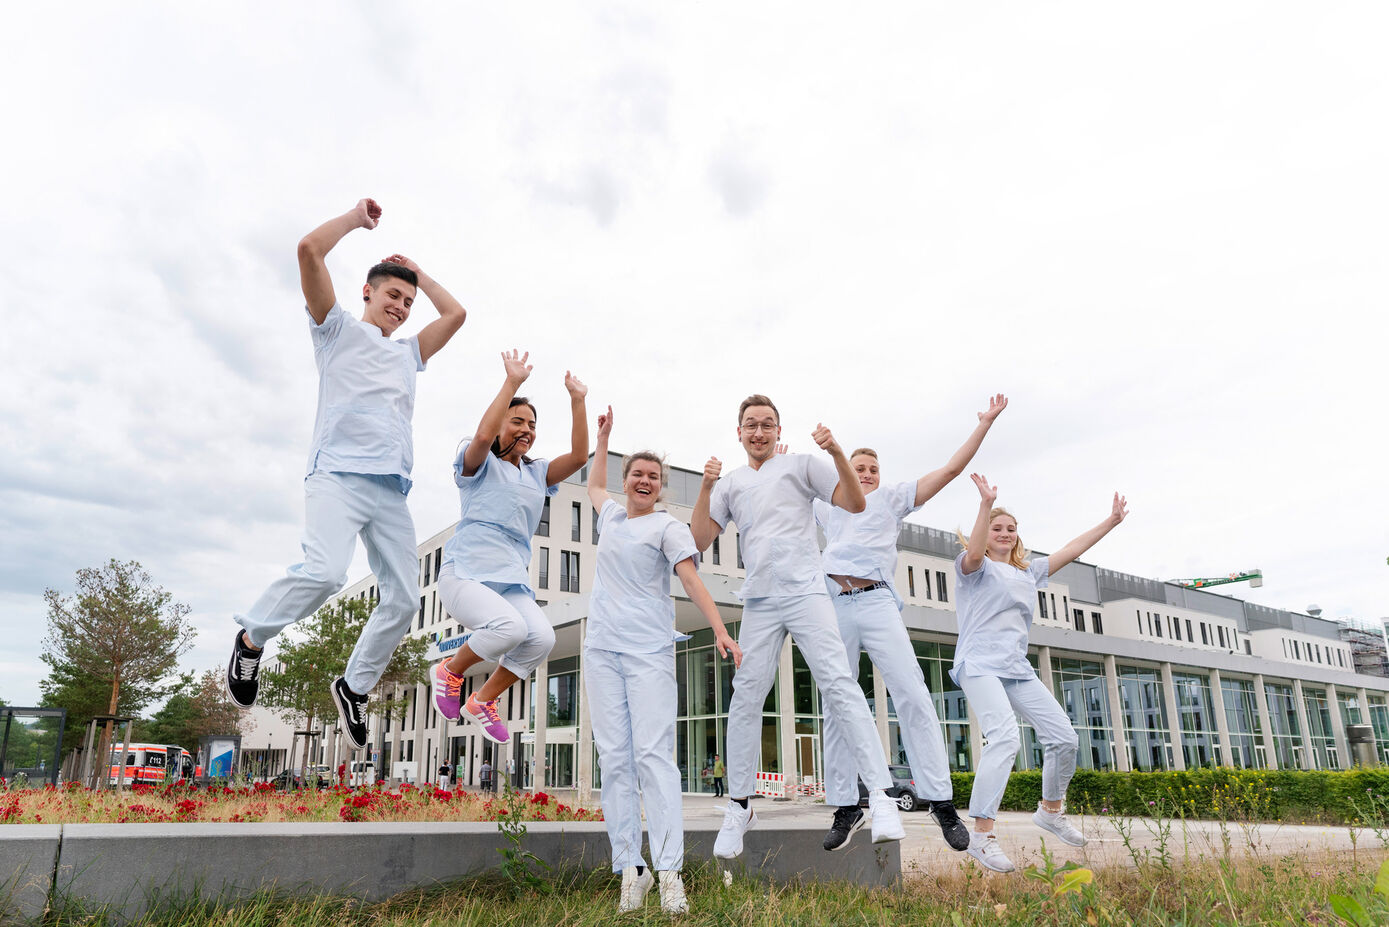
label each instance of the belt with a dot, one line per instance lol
(880, 584)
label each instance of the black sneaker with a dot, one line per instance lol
(352, 712)
(847, 819)
(242, 673)
(951, 827)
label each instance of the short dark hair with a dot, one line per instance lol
(389, 269)
(757, 399)
(497, 441)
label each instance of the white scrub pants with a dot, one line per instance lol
(337, 508)
(810, 620)
(871, 621)
(994, 701)
(507, 627)
(631, 699)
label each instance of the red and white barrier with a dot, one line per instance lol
(772, 785)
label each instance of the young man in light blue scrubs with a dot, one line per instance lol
(860, 559)
(358, 471)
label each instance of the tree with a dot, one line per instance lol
(196, 710)
(113, 644)
(298, 688)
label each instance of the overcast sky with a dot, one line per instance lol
(1160, 230)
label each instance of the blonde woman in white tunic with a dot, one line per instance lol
(629, 669)
(996, 590)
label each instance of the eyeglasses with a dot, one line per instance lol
(755, 427)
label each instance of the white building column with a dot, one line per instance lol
(786, 705)
(1222, 724)
(1338, 727)
(880, 709)
(1044, 670)
(1174, 719)
(540, 689)
(583, 741)
(423, 699)
(1116, 719)
(1265, 720)
(1308, 751)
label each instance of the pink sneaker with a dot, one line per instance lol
(485, 714)
(446, 690)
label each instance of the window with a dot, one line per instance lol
(1097, 622)
(595, 526)
(428, 559)
(1220, 632)
(738, 542)
(543, 529)
(1297, 650)
(1139, 613)
(1157, 625)
(1204, 639)
(1317, 647)
(1079, 615)
(716, 551)
(544, 562)
(420, 626)
(576, 515)
(568, 571)
(911, 582)
(438, 561)
(926, 582)
(940, 586)
(1041, 605)
(1189, 636)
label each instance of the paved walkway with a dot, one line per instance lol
(924, 851)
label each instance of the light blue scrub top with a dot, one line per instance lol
(630, 610)
(994, 607)
(865, 544)
(366, 398)
(501, 507)
(771, 507)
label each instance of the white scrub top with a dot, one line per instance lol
(630, 609)
(771, 507)
(994, 607)
(366, 398)
(865, 544)
(501, 507)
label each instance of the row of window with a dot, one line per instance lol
(941, 591)
(1300, 650)
(1155, 624)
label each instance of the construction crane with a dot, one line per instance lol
(1255, 578)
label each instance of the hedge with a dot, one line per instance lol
(1289, 796)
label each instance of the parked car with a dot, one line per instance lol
(322, 776)
(903, 789)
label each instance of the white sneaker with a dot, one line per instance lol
(673, 899)
(1056, 823)
(887, 819)
(985, 848)
(737, 821)
(634, 888)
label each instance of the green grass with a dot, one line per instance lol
(1253, 891)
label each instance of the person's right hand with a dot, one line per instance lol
(517, 370)
(605, 423)
(712, 469)
(987, 493)
(368, 213)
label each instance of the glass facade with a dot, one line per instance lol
(704, 683)
(1196, 713)
(1145, 717)
(1242, 719)
(1287, 733)
(1379, 720)
(1081, 689)
(1319, 724)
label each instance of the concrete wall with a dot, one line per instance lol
(131, 869)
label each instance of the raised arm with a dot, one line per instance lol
(491, 425)
(451, 312)
(704, 528)
(313, 250)
(694, 588)
(1089, 539)
(979, 534)
(598, 473)
(848, 494)
(566, 465)
(936, 480)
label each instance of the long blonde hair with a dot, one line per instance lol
(1017, 557)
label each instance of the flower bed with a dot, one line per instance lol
(141, 804)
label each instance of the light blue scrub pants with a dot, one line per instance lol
(810, 620)
(631, 701)
(995, 702)
(871, 621)
(337, 508)
(507, 627)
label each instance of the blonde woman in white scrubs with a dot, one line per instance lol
(629, 669)
(995, 593)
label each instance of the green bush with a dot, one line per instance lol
(1290, 796)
